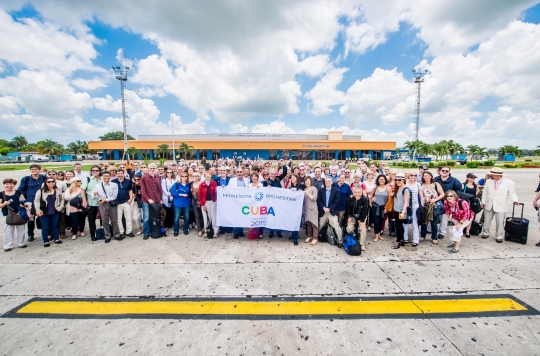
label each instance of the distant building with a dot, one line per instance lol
(256, 145)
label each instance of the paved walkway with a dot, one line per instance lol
(189, 267)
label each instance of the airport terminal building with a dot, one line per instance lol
(255, 145)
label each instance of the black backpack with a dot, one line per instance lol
(474, 203)
(322, 234)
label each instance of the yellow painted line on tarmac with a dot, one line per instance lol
(269, 308)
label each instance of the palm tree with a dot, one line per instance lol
(163, 150)
(50, 147)
(473, 150)
(536, 152)
(133, 152)
(425, 149)
(18, 141)
(185, 150)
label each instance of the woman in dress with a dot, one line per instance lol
(166, 185)
(311, 214)
(433, 192)
(73, 211)
(197, 212)
(369, 182)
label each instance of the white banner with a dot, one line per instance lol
(272, 208)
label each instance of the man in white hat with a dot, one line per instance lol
(497, 191)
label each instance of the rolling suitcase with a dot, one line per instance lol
(516, 229)
(155, 221)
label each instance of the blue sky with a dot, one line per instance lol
(285, 66)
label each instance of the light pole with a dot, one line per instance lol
(172, 126)
(121, 75)
(418, 79)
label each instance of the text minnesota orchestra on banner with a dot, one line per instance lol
(267, 207)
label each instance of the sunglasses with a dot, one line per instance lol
(445, 170)
(413, 175)
(184, 176)
(95, 170)
(137, 179)
(399, 180)
(50, 181)
(449, 196)
(52, 174)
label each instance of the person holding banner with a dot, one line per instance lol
(240, 182)
(327, 203)
(207, 199)
(274, 181)
(256, 184)
(310, 211)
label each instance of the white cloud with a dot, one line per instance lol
(90, 84)
(44, 46)
(239, 128)
(324, 95)
(277, 126)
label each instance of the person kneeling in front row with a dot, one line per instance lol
(457, 210)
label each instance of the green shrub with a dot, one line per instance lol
(4, 151)
(431, 164)
(488, 163)
(441, 163)
(400, 164)
(406, 165)
(393, 164)
(510, 165)
(473, 164)
(414, 165)
(451, 163)
(112, 163)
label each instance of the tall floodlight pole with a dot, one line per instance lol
(172, 126)
(418, 79)
(121, 75)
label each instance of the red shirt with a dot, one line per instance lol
(203, 190)
(151, 188)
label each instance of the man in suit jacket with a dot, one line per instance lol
(239, 181)
(327, 203)
(494, 201)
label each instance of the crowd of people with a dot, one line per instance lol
(336, 197)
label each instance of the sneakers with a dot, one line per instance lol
(485, 236)
(30, 238)
(451, 246)
(145, 237)
(441, 236)
(453, 251)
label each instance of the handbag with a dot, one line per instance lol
(209, 229)
(14, 218)
(113, 202)
(76, 202)
(439, 208)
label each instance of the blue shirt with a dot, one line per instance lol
(240, 182)
(344, 192)
(123, 190)
(328, 197)
(176, 190)
(222, 182)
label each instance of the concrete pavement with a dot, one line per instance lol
(189, 266)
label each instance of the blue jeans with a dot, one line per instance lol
(423, 229)
(377, 220)
(295, 236)
(146, 218)
(177, 212)
(237, 230)
(49, 222)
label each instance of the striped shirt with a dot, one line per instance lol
(29, 186)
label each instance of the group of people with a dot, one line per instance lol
(336, 197)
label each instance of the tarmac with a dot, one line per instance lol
(190, 268)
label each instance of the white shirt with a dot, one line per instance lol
(110, 193)
(82, 176)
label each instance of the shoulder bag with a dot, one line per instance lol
(13, 217)
(113, 202)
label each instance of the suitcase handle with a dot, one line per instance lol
(514, 208)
